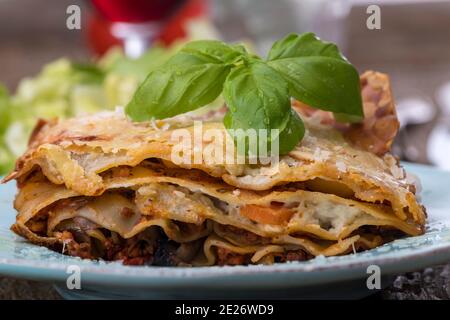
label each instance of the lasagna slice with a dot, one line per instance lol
(103, 187)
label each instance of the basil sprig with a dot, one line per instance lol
(258, 98)
(257, 92)
(318, 75)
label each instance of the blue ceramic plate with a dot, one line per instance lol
(333, 277)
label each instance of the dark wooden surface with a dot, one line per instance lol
(413, 47)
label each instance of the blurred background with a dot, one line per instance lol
(50, 70)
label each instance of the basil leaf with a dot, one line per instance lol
(318, 74)
(186, 82)
(240, 48)
(292, 134)
(347, 118)
(304, 45)
(287, 139)
(324, 83)
(257, 92)
(258, 98)
(215, 50)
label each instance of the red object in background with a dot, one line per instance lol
(99, 33)
(136, 10)
(175, 27)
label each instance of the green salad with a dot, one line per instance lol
(64, 89)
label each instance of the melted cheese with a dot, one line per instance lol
(163, 197)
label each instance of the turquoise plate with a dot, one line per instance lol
(333, 277)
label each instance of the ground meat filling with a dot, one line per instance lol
(292, 255)
(153, 247)
(242, 236)
(149, 247)
(134, 251)
(138, 250)
(72, 247)
(228, 257)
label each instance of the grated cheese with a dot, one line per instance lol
(179, 194)
(340, 165)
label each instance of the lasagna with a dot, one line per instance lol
(103, 187)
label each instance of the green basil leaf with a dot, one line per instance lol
(215, 50)
(292, 134)
(347, 118)
(322, 82)
(318, 74)
(186, 82)
(287, 138)
(304, 45)
(258, 98)
(240, 48)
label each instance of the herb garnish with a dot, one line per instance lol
(256, 91)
